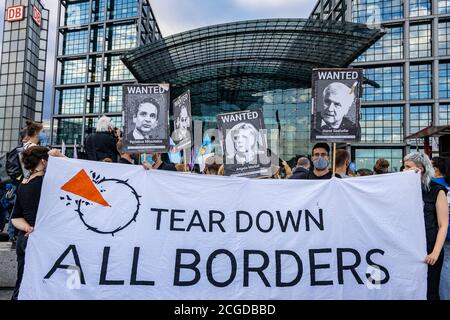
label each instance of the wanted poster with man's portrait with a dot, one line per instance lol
(336, 105)
(182, 120)
(245, 143)
(146, 117)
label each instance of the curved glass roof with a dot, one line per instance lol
(223, 62)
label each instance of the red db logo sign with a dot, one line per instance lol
(14, 13)
(37, 16)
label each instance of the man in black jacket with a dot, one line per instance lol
(301, 171)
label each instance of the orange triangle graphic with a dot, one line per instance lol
(82, 186)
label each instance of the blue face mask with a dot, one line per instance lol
(148, 159)
(321, 163)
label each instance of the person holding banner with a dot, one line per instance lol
(320, 159)
(154, 161)
(436, 219)
(27, 202)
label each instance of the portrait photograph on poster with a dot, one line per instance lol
(146, 117)
(182, 119)
(245, 143)
(336, 105)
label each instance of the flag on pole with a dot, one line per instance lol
(205, 151)
(75, 154)
(174, 157)
(63, 148)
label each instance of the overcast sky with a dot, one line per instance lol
(176, 16)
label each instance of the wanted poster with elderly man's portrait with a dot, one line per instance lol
(244, 143)
(146, 117)
(336, 105)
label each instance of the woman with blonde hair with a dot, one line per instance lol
(436, 219)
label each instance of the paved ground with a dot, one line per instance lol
(5, 294)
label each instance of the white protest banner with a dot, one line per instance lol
(113, 231)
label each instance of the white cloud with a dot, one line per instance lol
(176, 16)
(264, 4)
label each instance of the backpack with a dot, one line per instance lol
(3, 175)
(13, 165)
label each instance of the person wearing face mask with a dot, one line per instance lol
(33, 134)
(32, 138)
(320, 159)
(155, 162)
(436, 219)
(342, 163)
(26, 206)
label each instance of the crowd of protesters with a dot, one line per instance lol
(19, 198)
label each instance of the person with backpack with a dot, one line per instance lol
(23, 217)
(7, 200)
(30, 136)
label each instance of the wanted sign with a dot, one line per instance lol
(245, 143)
(336, 105)
(146, 117)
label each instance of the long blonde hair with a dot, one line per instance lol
(422, 160)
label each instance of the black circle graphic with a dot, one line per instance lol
(120, 228)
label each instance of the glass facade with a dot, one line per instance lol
(444, 38)
(443, 6)
(366, 158)
(444, 114)
(382, 124)
(420, 40)
(421, 116)
(420, 85)
(376, 11)
(444, 80)
(93, 34)
(418, 8)
(402, 66)
(75, 42)
(414, 87)
(71, 101)
(22, 72)
(390, 81)
(390, 47)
